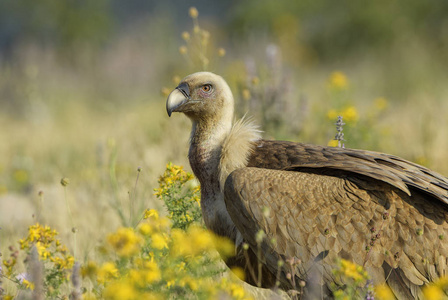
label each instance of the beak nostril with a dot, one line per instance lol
(184, 89)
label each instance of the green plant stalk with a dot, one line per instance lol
(132, 199)
(71, 221)
(116, 205)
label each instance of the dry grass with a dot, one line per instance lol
(73, 120)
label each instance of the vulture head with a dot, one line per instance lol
(318, 203)
(202, 96)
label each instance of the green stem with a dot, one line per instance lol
(74, 230)
(113, 180)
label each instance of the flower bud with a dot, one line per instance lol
(65, 181)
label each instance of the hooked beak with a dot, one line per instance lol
(177, 98)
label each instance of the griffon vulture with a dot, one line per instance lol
(315, 204)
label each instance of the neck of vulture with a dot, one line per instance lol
(207, 138)
(217, 148)
(206, 142)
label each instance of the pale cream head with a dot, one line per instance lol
(200, 96)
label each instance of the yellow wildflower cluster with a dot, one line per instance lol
(148, 272)
(48, 246)
(156, 261)
(58, 262)
(153, 224)
(198, 240)
(173, 175)
(383, 292)
(28, 284)
(124, 290)
(125, 242)
(181, 200)
(350, 270)
(333, 143)
(236, 290)
(107, 272)
(338, 81)
(437, 290)
(353, 277)
(349, 114)
(40, 234)
(151, 213)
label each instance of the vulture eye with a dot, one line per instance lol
(207, 88)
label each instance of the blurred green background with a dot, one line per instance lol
(83, 87)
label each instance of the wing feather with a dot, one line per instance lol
(310, 214)
(393, 170)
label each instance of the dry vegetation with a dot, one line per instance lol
(96, 121)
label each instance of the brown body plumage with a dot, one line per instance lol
(317, 203)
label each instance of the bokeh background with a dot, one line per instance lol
(83, 87)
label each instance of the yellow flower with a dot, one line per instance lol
(89, 296)
(183, 50)
(144, 277)
(180, 266)
(151, 213)
(239, 272)
(181, 245)
(125, 242)
(383, 292)
(145, 229)
(164, 223)
(333, 143)
(193, 284)
(202, 239)
(173, 175)
(120, 290)
(246, 94)
(186, 37)
(151, 295)
(159, 241)
(42, 251)
(21, 176)
(338, 81)
(106, 272)
(433, 292)
(224, 246)
(9, 264)
(23, 244)
(237, 291)
(152, 271)
(350, 114)
(170, 283)
(28, 284)
(351, 271)
(34, 232)
(64, 263)
(442, 282)
(193, 12)
(221, 52)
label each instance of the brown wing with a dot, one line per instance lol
(404, 175)
(318, 218)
